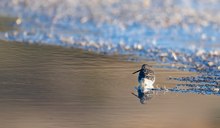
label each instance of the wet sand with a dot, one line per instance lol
(54, 87)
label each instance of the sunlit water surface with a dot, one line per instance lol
(54, 87)
(183, 32)
(50, 86)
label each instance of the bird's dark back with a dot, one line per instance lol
(146, 73)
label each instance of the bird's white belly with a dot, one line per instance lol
(146, 84)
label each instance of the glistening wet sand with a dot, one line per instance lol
(54, 87)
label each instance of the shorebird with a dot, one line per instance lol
(146, 79)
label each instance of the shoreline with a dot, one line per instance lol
(52, 86)
(73, 87)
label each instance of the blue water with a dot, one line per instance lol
(184, 32)
(128, 24)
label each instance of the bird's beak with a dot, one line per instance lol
(136, 71)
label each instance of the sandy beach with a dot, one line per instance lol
(69, 63)
(50, 86)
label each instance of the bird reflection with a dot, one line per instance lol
(143, 97)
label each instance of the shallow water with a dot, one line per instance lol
(182, 32)
(48, 86)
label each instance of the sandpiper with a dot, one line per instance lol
(146, 78)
